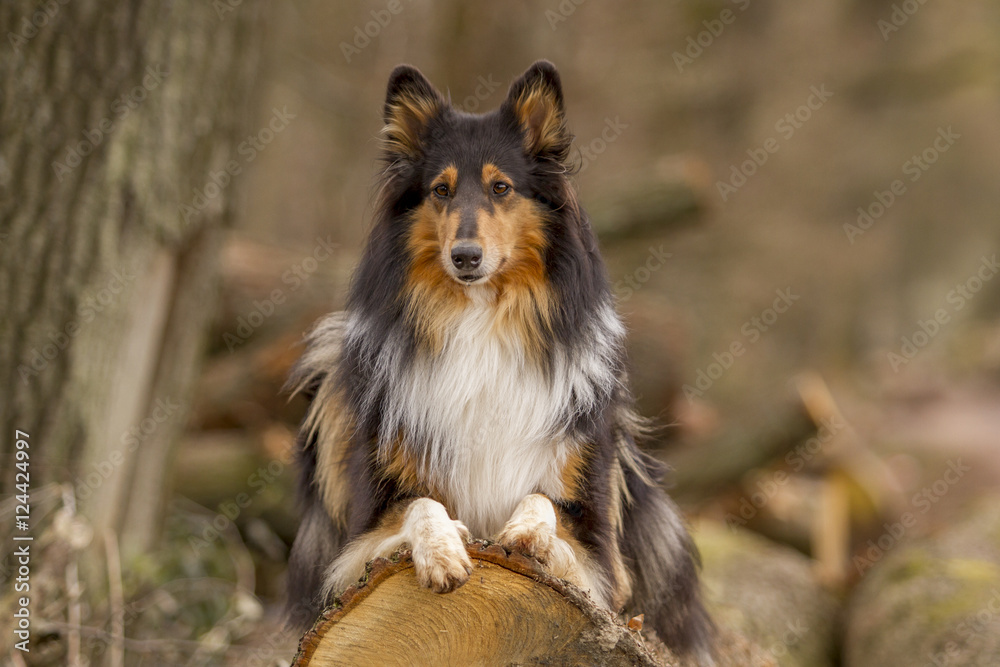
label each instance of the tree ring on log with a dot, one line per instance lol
(510, 612)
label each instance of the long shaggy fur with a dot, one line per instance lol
(479, 391)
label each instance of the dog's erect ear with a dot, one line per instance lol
(411, 101)
(536, 100)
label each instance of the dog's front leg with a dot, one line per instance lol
(535, 529)
(437, 543)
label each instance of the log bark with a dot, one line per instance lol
(510, 612)
(113, 116)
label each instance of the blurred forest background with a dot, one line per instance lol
(797, 205)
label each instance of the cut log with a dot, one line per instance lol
(509, 612)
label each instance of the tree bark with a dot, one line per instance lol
(113, 118)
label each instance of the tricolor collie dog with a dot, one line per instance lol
(475, 385)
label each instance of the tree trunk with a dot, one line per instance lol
(509, 613)
(117, 122)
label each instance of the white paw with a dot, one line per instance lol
(440, 559)
(531, 537)
(532, 530)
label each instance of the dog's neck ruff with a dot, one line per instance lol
(487, 423)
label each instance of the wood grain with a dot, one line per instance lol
(509, 613)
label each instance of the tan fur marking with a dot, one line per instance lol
(402, 467)
(328, 425)
(515, 233)
(492, 174)
(435, 298)
(619, 496)
(329, 420)
(350, 563)
(538, 111)
(448, 176)
(572, 477)
(524, 301)
(408, 117)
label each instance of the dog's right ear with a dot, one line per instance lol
(411, 101)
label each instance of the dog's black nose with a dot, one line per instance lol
(466, 256)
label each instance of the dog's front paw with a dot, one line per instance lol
(529, 536)
(441, 561)
(532, 530)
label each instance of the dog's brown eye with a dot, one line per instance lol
(500, 188)
(441, 190)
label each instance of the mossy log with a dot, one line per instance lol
(768, 593)
(930, 602)
(510, 612)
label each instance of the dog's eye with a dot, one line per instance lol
(500, 188)
(441, 190)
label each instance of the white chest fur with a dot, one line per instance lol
(489, 424)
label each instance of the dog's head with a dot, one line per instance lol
(477, 187)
